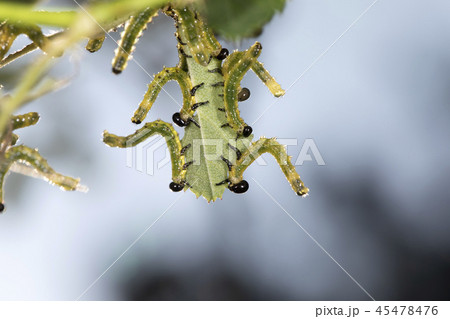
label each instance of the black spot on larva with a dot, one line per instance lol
(136, 121)
(118, 65)
(247, 131)
(174, 187)
(240, 187)
(116, 70)
(176, 117)
(243, 95)
(2, 207)
(223, 54)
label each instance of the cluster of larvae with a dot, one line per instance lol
(217, 146)
(23, 157)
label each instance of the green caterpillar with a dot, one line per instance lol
(217, 147)
(11, 153)
(10, 31)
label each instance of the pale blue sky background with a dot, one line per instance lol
(377, 106)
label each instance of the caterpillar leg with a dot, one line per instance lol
(166, 75)
(236, 69)
(173, 142)
(130, 36)
(32, 157)
(265, 145)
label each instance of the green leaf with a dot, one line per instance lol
(236, 19)
(210, 141)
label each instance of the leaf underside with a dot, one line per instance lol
(210, 141)
(237, 19)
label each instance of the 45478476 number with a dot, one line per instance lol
(407, 310)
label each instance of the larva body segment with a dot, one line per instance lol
(211, 42)
(94, 44)
(21, 121)
(154, 128)
(271, 146)
(7, 37)
(258, 68)
(182, 64)
(9, 33)
(166, 75)
(231, 60)
(233, 79)
(14, 139)
(188, 29)
(130, 36)
(267, 79)
(22, 153)
(12, 154)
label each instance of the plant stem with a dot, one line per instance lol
(101, 12)
(24, 14)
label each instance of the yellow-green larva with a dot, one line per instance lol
(168, 74)
(10, 31)
(28, 156)
(133, 30)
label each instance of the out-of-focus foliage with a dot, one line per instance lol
(21, 1)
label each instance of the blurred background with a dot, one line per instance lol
(377, 105)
